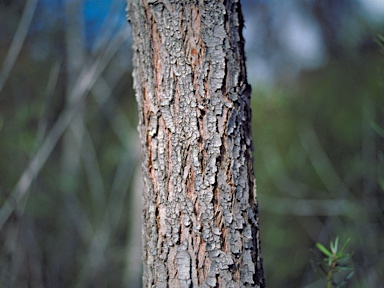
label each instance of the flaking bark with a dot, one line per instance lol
(200, 209)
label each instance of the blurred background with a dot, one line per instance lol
(70, 185)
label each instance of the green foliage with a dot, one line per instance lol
(71, 224)
(379, 127)
(380, 41)
(319, 166)
(337, 261)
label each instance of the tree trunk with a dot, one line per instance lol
(200, 209)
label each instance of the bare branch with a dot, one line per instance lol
(17, 41)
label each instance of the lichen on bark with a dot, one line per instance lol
(200, 209)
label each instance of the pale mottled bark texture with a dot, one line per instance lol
(200, 209)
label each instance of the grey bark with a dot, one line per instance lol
(200, 208)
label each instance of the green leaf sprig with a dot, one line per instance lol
(336, 261)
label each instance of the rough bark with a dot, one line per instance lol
(200, 209)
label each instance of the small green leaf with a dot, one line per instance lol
(346, 279)
(344, 258)
(345, 268)
(345, 245)
(379, 130)
(380, 40)
(323, 249)
(350, 275)
(381, 182)
(335, 245)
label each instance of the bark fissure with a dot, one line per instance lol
(200, 225)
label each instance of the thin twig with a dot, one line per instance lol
(85, 81)
(320, 160)
(17, 42)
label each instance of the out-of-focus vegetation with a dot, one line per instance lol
(319, 165)
(69, 182)
(68, 149)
